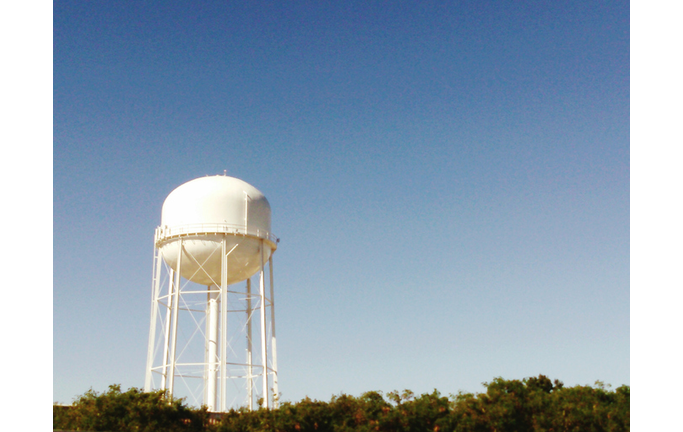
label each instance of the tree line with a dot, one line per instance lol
(531, 404)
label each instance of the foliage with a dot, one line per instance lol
(532, 404)
(537, 404)
(134, 411)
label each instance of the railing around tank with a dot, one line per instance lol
(165, 232)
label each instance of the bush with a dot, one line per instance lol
(532, 404)
(134, 411)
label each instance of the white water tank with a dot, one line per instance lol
(203, 211)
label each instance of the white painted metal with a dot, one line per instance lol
(167, 332)
(218, 200)
(250, 367)
(214, 206)
(264, 346)
(156, 286)
(276, 393)
(224, 324)
(215, 232)
(212, 360)
(171, 371)
(207, 322)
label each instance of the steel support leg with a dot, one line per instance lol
(174, 326)
(224, 324)
(250, 367)
(156, 287)
(212, 341)
(264, 348)
(273, 347)
(167, 330)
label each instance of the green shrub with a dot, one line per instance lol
(132, 411)
(533, 404)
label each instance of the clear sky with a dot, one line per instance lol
(449, 180)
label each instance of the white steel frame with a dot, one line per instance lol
(220, 360)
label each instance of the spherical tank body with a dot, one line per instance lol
(204, 212)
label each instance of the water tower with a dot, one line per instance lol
(210, 332)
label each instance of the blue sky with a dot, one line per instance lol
(450, 181)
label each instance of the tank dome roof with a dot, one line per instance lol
(217, 200)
